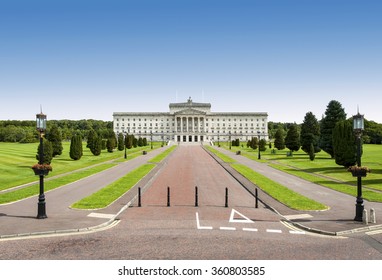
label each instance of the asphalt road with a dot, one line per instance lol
(183, 231)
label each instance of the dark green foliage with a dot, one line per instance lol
(92, 136)
(104, 142)
(333, 114)
(310, 133)
(292, 139)
(97, 146)
(279, 139)
(344, 144)
(262, 145)
(55, 137)
(135, 142)
(145, 141)
(129, 141)
(254, 143)
(76, 147)
(47, 152)
(121, 145)
(312, 155)
(110, 145)
(140, 142)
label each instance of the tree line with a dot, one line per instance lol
(333, 134)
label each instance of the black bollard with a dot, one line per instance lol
(257, 199)
(168, 196)
(196, 197)
(139, 197)
(226, 197)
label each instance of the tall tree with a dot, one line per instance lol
(92, 136)
(344, 144)
(310, 133)
(279, 139)
(47, 154)
(76, 147)
(292, 139)
(121, 145)
(97, 146)
(55, 137)
(333, 114)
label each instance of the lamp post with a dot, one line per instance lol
(230, 143)
(151, 134)
(124, 140)
(358, 126)
(41, 127)
(259, 155)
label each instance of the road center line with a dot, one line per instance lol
(274, 231)
(250, 229)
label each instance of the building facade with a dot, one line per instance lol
(192, 122)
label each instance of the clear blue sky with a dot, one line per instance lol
(88, 59)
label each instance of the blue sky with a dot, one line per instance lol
(88, 59)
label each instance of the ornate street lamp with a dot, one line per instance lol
(151, 134)
(124, 140)
(358, 127)
(41, 127)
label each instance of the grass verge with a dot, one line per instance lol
(367, 194)
(51, 184)
(115, 190)
(222, 156)
(279, 192)
(163, 155)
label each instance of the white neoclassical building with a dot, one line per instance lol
(192, 122)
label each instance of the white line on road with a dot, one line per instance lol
(198, 223)
(227, 228)
(250, 229)
(274, 231)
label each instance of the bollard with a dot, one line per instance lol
(139, 197)
(196, 197)
(373, 220)
(364, 217)
(226, 197)
(257, 199)
(168, 196)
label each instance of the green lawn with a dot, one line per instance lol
(112, 192)
(323, 170)
(16, 161)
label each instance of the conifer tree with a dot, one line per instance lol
(333, 114)
(292, 139)
(279, 142)
(121, 145)
(310, 133)
(344, 144)
(47, 152)
(76, 147)
(97, 146)
(54, 136)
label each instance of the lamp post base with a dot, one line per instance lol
(41, 214)
(359, 212)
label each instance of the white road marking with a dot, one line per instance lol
(232, 220)
(198, 223)
(227, 228)
(274, 231)
(101, 215)
(250, 229)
